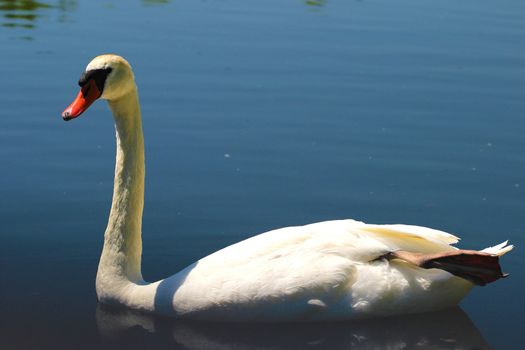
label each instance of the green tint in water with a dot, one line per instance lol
(17, 13)
(25, 13)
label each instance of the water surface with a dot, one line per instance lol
(258, 115)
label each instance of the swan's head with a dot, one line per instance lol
(107, 76)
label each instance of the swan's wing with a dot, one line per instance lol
(412, 238)
(351, 239)
(296, 270)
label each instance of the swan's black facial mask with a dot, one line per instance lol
(98, 75)
(91, 87)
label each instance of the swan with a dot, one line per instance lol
(326, 271)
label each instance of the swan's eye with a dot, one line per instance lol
(99, 75)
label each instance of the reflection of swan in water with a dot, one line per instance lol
(448, 329)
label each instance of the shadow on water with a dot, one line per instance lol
(450, 329)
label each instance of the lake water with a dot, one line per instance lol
(258, 115)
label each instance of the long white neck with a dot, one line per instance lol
(121, 256)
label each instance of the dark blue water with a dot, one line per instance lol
(258, 115)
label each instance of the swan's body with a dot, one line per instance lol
(315, 272)
(331, 270)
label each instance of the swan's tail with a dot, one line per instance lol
(500, 249)
(479, 267)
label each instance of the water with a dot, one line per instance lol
(259, 115)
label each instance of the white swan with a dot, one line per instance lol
(330, 270)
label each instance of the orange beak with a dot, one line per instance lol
(87, 95)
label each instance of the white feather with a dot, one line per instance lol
(499, 249)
